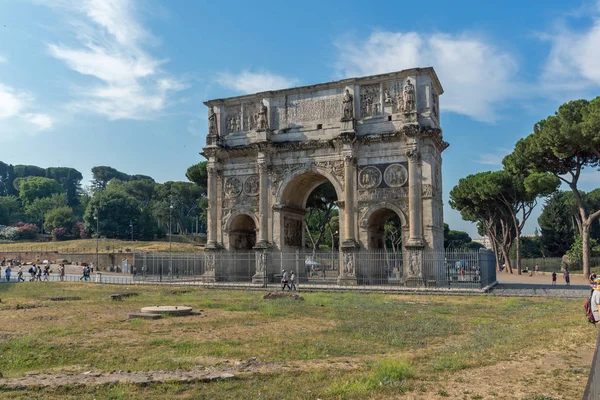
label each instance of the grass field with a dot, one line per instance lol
(89, 245)
(329, 346)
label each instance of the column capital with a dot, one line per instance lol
(413, 154)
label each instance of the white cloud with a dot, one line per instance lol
(494, 158)
(41, 121)
(14, 104)
(131, 83)
(574, 57)
(476, 75)
(252, 82)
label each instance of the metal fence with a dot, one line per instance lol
(551, 264)
(450, 269)
(592, 389)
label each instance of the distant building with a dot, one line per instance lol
(484, 241)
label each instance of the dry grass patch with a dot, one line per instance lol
(331, 346)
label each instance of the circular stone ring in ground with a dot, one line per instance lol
(171, 310)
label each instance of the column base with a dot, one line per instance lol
(347, 281)
(263, 244)
(395, 278)
(259, 278)
(212, 245)
(349, 244)
(208, 277)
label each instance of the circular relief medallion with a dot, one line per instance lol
(251, 185)
(395, 175)
(369, 177)
(233, 187)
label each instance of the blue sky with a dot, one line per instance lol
(121, 83)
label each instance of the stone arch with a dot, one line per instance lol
(307, 179)
(290, 203)
(373, 220)
(241, 230)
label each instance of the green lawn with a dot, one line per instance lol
(396, 345)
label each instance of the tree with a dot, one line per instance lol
(101, 175)
(25, 171)
(478, 198)
(70, 180)
(564, 145)
(61, 217)
(523, 188)
(557, 226)
(197, 173)
(455, 239)
(7, 176)
(116, 211)
(319, 205)
(10, 210)
(38, 209)
(37, 187)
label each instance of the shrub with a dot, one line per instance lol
(60, 233)
(10, 233)
(28, 231)
(79, 231)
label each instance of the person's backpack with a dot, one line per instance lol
(588, 311)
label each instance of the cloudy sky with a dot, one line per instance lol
(121, 82)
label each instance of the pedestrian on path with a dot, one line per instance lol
(554, 278)
(7, 273)
(20, 275)
(567, 277)
(38, 275)
(285, 280)
(61, 272)
(293, 281)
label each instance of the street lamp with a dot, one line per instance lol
(170, 233)
(97, 236)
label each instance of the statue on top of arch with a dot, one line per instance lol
(262, 123)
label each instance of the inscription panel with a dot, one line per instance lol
(292, 110)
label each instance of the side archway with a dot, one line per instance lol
(372, 224)
(240, 231)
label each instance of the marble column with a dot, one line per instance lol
(263, 205)
(349, 172)
(212, 204)
(414, 198)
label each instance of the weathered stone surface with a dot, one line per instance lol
(376, 139)
(170, 310)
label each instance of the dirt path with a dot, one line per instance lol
(227, 370)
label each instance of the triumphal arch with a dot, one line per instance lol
(377, 139)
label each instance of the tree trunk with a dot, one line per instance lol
(518, 252)
(585, 238)
(506, 255)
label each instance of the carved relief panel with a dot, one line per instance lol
(233, 120)
(370, 96)
(249, 116)
(292, 229)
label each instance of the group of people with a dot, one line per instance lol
(38, 271)
(288, 280)
(566, 275)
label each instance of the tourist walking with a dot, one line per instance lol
(7, 273)
(61, 272)
(285, 280)
(38, 275)
(20, 275)
(554, 278)
(91, 267)
(293, 281)
(567, 277)
(46, 273)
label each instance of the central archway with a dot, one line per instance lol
(384, 231)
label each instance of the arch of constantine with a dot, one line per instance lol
(376, 139)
